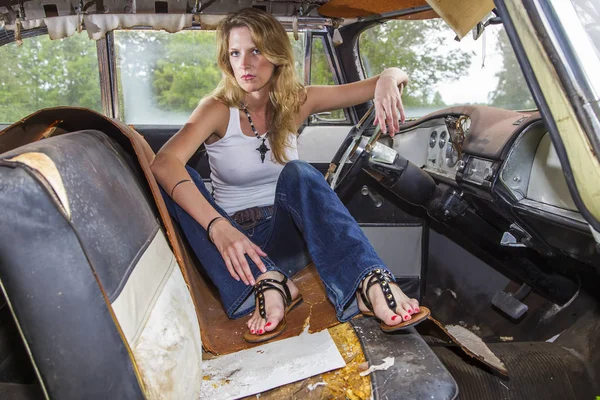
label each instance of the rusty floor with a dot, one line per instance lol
(221, 335)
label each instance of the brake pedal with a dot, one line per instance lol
(511, 303)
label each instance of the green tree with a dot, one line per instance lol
(437, 100)
(137, 52)
(321, 74)
(512, 91)
(46, 73)
(417, 47)
(298, 49)
(187, 70)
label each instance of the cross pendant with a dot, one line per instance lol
(262, 149)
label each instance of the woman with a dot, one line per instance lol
(269, 208)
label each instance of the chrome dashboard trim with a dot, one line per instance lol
(561, 212)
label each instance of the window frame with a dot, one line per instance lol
(334, 68)
(107, 66)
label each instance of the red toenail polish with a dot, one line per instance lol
(409, 311)
(268, 324)
(406, 317)
(261, 331)
(417, 310)
(394, 317)
(252, 331)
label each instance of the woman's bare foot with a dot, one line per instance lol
(405, 306)
(274, 305)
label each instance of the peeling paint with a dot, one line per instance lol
(387, 363)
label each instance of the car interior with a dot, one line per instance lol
(469, 204)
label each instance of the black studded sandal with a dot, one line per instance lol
(260, 288)
(384, 279)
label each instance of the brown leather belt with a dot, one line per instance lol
(250, 216)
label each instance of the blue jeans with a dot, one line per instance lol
(309, 221)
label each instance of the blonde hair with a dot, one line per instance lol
(286, 93)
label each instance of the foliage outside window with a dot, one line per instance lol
(444, 72)
(163, 76)
(321, 74)
(47, 73)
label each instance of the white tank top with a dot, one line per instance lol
(239, 178)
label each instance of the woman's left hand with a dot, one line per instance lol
(388, 104)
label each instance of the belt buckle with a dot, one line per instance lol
(250, 217)
(243, 218)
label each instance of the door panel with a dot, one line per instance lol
(318, 144)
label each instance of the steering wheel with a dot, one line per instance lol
(355, 150)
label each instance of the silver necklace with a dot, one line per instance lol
(262, 149)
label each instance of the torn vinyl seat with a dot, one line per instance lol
(97, 293)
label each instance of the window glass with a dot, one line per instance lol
(162, 76)
(588, 12)
(47, 73)
(298, 47)
(321, 74)
(444, 72)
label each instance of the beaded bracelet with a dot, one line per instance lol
(210, 225)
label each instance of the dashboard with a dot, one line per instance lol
(503, 164)
(442, 154)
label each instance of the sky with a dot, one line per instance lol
(481, 78)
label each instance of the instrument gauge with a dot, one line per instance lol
(433, 139)
(451, 156)
(443, 139)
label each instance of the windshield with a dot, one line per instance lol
(444, 72)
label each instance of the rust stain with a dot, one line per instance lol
(221, 335)
(347, 380)
(49, 131)
(363, 8)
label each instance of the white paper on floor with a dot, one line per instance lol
(255, 370)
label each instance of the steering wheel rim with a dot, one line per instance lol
(353, 143)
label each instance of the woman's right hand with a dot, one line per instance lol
(233, 246)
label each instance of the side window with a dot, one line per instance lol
(47, 73)
(298, 47)
(321, 74)
(162, 76)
